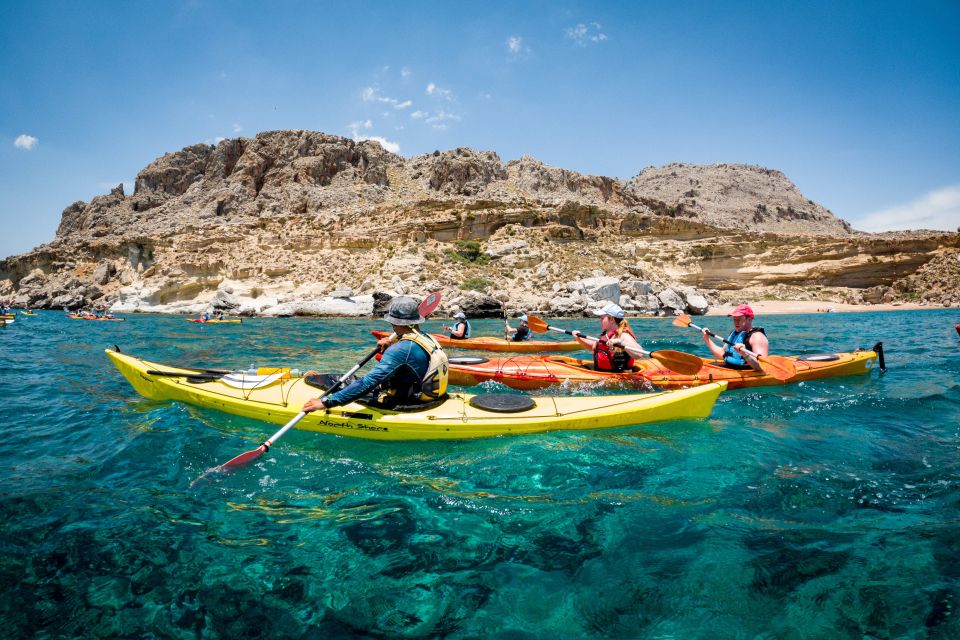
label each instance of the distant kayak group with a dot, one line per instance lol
(406, 395)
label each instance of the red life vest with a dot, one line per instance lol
(608, 358)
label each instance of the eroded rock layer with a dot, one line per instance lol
(305, 222)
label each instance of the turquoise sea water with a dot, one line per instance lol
(819, 510)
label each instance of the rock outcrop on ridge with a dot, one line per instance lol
(302, 222)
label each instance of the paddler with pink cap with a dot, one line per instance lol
(744, 336)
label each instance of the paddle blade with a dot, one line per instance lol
(244, 458)
(683, 363)
(429, 304)
(536, 324)
(779, 367)
(682, 320)
(231, 465)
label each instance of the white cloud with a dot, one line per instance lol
(356, 127)
(237, 128)
(405, 72)
(24, 141)
(392, 147)
(516, 47)
(372, 94)
(938, 209)
(584, 34)
(419, 115)
(439, 119)
(434, 90)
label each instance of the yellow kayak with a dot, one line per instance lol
(456, 418)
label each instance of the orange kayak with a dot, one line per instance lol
(537, 372)
(489, 343)
(74, 316)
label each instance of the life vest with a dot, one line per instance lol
(610, 358)
(433, 385)
(466, 332)
(523, 333)
(730, 356)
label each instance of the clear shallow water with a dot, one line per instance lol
(819, 510)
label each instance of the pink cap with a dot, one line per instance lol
(742, 310)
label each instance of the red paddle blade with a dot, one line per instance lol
(244, 458)
(429, 304)
(231, 465)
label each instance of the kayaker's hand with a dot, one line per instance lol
(706, 334)
(313, 405)
(739, 348)
(383, 343)
(575, 333)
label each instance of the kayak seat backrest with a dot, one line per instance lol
(818, 357)
(326, 380)
(502, 402)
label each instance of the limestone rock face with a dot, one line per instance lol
(173, 173)
(534, 177)
(460, 171)
(727, 195)
(303, 222)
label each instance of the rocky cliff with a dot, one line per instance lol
(305, 222)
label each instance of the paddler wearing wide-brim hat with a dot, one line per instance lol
(412, 370)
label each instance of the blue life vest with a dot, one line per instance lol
(523, 333)
(730, 356)
(466, 332)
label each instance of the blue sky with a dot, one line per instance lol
(857, 102)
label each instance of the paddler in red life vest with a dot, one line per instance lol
(609, 350)
(743, 336)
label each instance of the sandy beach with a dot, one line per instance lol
(770, 307)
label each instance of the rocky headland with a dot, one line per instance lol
(302, 222)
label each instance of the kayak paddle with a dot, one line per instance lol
(777, 366)
(426, 307)
(684, 363)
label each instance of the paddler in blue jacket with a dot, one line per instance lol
(743, 336)
(412, 371)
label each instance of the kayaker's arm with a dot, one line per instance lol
(586, 343)
(761, 347)
(458, 331)
(717, 351)
(628, 342)
(391, 361)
